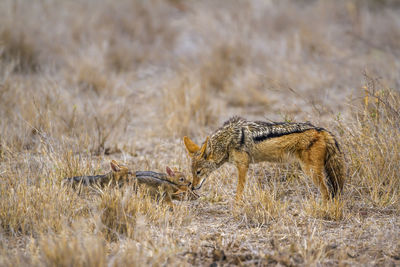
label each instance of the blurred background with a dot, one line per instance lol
(122, 72)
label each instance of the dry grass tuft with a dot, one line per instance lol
(187, 105)
(18, 49)
(56, 250)
(262, 208)
(325, 210)
(221, 66)
(89, 78)
(119, 214)
(29, 209)
(122, 209)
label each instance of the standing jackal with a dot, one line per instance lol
(243, 142)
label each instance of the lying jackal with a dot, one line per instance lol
(243, 142)
(172, 185)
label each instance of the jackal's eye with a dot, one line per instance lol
(181, 179)
(198, 172)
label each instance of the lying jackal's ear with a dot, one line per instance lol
(203, 148)
(169, 171)
(191, 147)
(115, 166)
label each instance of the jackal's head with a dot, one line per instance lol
(177, 177)
(202, 162)
(184, 190)
(119, 171)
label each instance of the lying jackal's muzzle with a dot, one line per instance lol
(186, 195)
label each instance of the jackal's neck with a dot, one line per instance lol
(226, 137)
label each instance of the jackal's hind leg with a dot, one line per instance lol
(315, 171)
(312, 159)
(312, 164)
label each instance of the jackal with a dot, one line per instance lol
(172, 185)
(119, 174)
(243, 142)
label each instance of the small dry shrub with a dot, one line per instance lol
(372, 142)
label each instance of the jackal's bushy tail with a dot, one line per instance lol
(334, 166)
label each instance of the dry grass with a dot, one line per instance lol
(84, 82)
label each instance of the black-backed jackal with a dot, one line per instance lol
(170, 185)
(243, 142)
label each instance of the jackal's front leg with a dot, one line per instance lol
(241, 160)
(168, 200)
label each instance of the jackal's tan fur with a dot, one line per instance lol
(243, 142)
(172, 185)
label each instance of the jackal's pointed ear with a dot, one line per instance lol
(203, 148)
(115, 166)
(169, 171)
(191, 147)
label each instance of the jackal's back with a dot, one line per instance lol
(154, 179)
(88, 180)
(240, 134)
